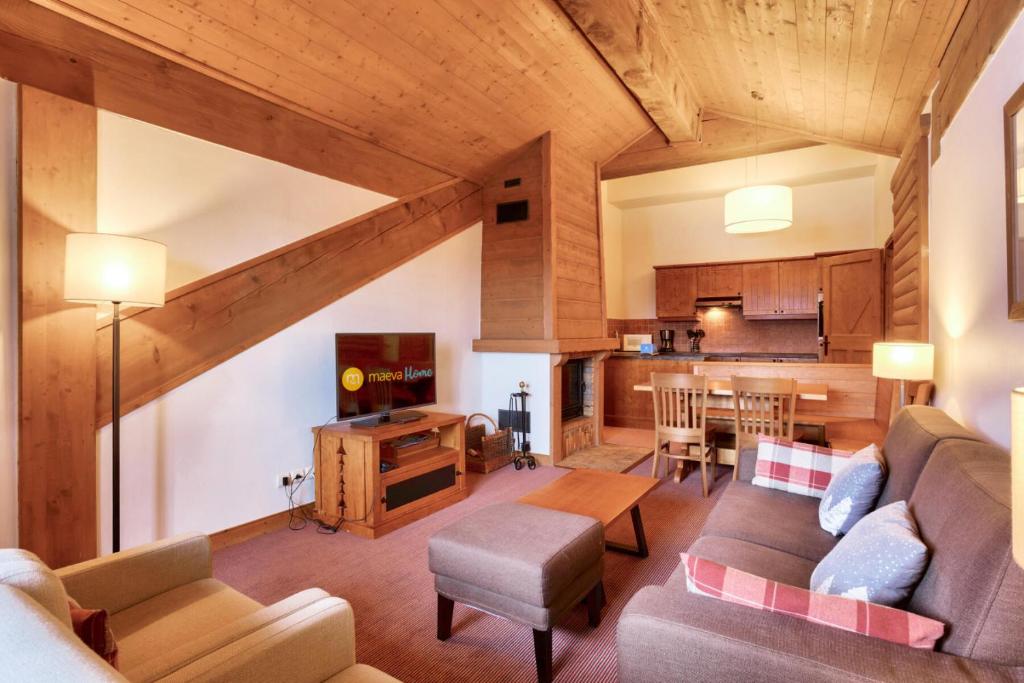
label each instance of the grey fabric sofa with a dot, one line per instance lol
(959, 491)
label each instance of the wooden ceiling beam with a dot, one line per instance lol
(627, 34)
(723, 139)
(50, 51)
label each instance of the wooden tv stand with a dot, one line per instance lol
(426, 478)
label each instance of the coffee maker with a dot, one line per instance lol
(668, 341)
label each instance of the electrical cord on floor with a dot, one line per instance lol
(298, 522)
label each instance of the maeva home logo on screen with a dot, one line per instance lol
(352, 379)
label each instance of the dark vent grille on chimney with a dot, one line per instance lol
(511, 212)
(513, 182)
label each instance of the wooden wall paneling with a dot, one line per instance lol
(517, 269)
(206, 322)
(852, 285)
(625, 407)
(42, 48)
(908, 293)
(579, 272)
(57, 464)
(722, 138)
(628, 34)
(980, 29)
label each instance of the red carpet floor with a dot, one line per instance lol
(391, 590)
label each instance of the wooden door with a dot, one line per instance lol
(720, 281)
(852, 284)
(761, 289)
(675, 292)
(798, 288)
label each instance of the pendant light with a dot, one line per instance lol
(758, 208)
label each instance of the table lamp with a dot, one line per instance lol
(130, 271)
(903, 361)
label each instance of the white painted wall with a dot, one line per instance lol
(8, 316)
(212, 206)
(676, 216)
(208, 455)
(978, 357)
(611, 226)
(500, 374)
(827, 217)
(883, 199)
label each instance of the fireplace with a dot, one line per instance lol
(573, 388)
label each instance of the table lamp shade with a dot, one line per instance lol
(903, 360)
(100, 267)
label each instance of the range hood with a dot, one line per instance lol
(718, 302)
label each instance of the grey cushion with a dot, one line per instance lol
(913, 435)
(748, 557)
(962, 508)
(523, 552)
(880, 560)
(852, 491)
(775, 519)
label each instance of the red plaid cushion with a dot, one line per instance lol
(93, 627)
(796, 467)
(714, 580)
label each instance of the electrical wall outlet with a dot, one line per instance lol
(284, 480)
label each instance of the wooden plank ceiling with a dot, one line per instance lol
(458, 85)
(850, 71)
(463, 86)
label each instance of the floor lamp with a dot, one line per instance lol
(903, 361)
(124, 271)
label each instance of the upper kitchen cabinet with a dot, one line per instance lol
(760, 289)
(720, 281)
(675, 292)
(781, 289)
(798, 288)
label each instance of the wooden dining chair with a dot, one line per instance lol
(680, 417)
(762, 405)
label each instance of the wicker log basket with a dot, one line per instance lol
(486, 452)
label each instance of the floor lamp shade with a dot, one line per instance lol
(100, 267)
(903, 360)
(1017, 469)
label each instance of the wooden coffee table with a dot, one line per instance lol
(606, 496)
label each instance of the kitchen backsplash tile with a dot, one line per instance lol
(726, 330)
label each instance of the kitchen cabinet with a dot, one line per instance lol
(798, 288)
(675, 293)
(761, 289)
(781, 289)
(720, 281)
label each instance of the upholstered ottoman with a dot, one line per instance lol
(521, 562)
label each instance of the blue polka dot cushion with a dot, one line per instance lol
(852, 491)
(880, 560)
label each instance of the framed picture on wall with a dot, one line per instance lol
(1013, 139)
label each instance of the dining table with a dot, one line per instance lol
(723, 387)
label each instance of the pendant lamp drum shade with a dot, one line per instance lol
(759, 208)
(100, 267)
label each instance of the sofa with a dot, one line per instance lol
(172, 621)
(958, 489)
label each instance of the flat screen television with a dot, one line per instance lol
(378, 374)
